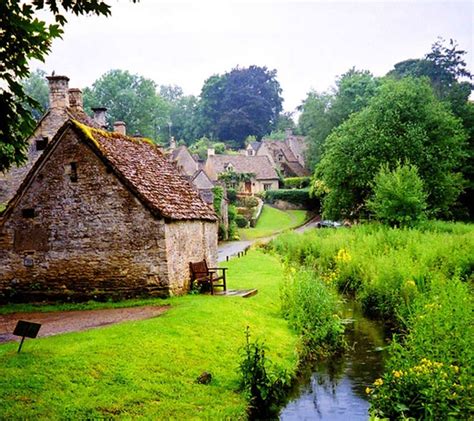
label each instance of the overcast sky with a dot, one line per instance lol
(309, 43)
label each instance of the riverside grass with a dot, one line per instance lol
(148, 369)
(420, 281)
(273, 221)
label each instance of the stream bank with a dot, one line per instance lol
(334, 389)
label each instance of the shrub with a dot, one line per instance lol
(231, 195)
(297, 197)
(296, 182)
(241, 221)
(248, 201)
(263, 384)
(311, 309)
(218, 193)
(398, 198)
(429, 375)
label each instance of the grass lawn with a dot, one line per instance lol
(272, 221)
(148, 368)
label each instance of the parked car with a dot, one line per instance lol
(328, 224)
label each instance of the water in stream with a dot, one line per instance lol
(334, 390)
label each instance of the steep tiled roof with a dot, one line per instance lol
(82, 117)
(258, 165)
(296, 169)
(149, 174)
(278, 146)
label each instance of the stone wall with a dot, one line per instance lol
(80, 239)
(189, 241)
(47, 128)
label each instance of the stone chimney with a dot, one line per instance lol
(75, 99)
(100, 116)
(120, 127)
(172, 143)
(210, 152)
(58, 92)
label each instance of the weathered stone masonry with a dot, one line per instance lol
(76, 231)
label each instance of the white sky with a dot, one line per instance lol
(308, 42)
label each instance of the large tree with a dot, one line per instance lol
(404, 122)
(322, 112)
(25, 36)
(244, 102)
(35, 87)
(451, 80)
(132, 99)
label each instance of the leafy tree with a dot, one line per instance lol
(243, 102)
(25, 36)
(450, 78)
(132, 99)
(36, 87)
(322, 112)
(403, 122)
(399, 198)
(201, 146)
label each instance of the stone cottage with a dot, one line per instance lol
(265, 177)
(100, 215)
(64, 103)
(188, 166)
(288, 156)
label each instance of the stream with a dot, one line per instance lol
(334, 390)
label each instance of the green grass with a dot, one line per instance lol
(273, 221)
(148, 368)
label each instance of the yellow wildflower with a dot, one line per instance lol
(368, 390)
(378, 382)
(397, 373)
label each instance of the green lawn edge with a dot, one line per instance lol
(274, 221)
(148, 368)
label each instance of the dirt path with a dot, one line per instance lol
(56, 322)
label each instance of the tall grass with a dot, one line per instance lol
(419, 281)
(384, 268)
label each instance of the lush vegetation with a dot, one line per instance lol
(296, 182)
(273, 221)
(149, 368)
(25, 34)
(299, 197)
(419, 282)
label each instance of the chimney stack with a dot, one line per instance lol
(210, 152)
(172, 143)
(58, 92)
(100, 117)
(120, 127)
(75, 99)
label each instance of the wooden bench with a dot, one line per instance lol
(202, 274)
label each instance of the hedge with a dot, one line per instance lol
(294, 196)
(296, 182)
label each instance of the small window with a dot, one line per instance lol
(280, 157)
(28, 213)
(41, 144)
(73, 173)
(267, 186)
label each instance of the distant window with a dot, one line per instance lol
(73, 173)
(267, 186)
(41, 144)
(280, 157)
(28, 213)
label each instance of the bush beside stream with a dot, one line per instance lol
(418, 281)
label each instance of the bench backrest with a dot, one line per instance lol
(199, 269)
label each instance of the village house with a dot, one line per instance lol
(191, 168)
(287, 156)
(101, 214)
(264, 177)
(64, 103)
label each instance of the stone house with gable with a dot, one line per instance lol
(265, 177)
(287, 156)
(64, 103)
(100, 214)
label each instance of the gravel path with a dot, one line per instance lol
(56, 322)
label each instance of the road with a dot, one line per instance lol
(232, 248)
